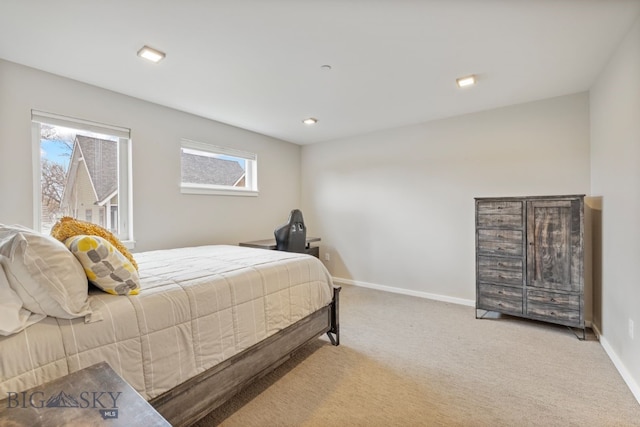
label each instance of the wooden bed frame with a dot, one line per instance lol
(192, 400)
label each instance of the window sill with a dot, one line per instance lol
(218, 191)
(129, 244)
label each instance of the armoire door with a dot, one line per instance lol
(554, 261)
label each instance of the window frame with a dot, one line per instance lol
(125, 173)
(251, 171)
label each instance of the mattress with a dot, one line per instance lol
(197, 307)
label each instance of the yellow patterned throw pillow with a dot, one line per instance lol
(68, 227)
(105, 267)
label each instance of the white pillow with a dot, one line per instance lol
(13, 318)
(43, 273)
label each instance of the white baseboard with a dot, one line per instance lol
(626, 376)
(427, 295)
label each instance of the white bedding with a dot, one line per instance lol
(197, 307)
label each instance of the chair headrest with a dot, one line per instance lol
(296, 217)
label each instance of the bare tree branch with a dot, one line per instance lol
(52, 181)
(55, 134)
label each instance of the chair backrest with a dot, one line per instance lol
(292, 236)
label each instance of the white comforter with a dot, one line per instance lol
(197, 307)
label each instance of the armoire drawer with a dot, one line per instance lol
(503, 299)
(497, 235)
(500, 242)
(500, 270)
(498, 207)
(553, 306)
(507, 221)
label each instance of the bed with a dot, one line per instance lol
(206, 321)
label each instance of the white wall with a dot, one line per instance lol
(396, 209)
(615, 162)
(163, 217)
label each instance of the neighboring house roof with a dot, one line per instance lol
(210, 170)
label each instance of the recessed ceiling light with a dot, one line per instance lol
(151, 54)
(466, 81)
(325, 67)
(310, 121)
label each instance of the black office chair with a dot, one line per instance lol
(292, 236)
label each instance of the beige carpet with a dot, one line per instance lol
(407, 361)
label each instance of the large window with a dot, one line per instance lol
(83, 170)
(210, 169)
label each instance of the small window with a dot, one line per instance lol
(209, 169)
(84, 172)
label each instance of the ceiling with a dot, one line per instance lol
(256, 64)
